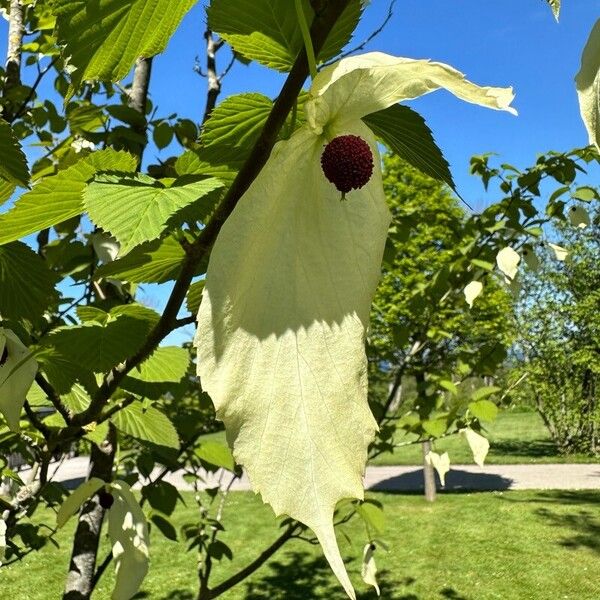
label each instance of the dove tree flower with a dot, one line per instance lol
(282, 323)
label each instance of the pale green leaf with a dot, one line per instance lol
(530, 258)
(26, 283)
(148, 424)
(136, 209)
(268, 31)
(13, 166)
(104, 38)
(508, 261)
(153, 262)
(405, 133)
(216, 453)
(484, 410)
(478, 444)
(588, 85)
(579, 217)
(472, 291)
(17, 372)
(58, 198)
(440, 462)
(368, 568)
(128, 532)
(75, 500)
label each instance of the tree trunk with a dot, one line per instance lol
(428, 474)
(138, 98)
(16, 31)
(87, 536)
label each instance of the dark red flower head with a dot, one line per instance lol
(347, 162)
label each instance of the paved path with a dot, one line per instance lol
(460, 477)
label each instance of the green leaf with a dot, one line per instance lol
(104, 38)
(95, 347)
(136, 209)
(194, 296)
(153, 262)
(13, 166)
(372, 514)
(158, 374)
(484, 410)
(26, 283)
(6, 190)
(17, 372)
(588, 85)
(58, 198)
(585, 193)
(162, 496)
(76, 499)
(435, 427)
(150, 425)
(268, 30)
(217, 454)
(128, 532)
(484, 392)
(164, 525)
(405, 133)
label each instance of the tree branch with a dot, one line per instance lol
(322, 25)
(16, 31)
(255, 564)
(54, 397)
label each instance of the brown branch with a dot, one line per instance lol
(54, 397)
(36, 421)
(322, 25)
(287, 535)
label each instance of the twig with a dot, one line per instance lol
(35, 421)
(54, 397)
(366, 41)
(41, 74)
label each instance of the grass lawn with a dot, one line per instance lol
(485, 546)
(515, 438)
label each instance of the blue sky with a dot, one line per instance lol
(494, 42)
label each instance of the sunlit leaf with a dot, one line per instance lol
(13, 166)
(75, 500)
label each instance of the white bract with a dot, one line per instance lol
(560, 252)
(588, 85)
(17, 372)
(368, 569)
(508, 262)
(471, 291)
(440, 462)
(478, 444)
(579, 217)
(282, 323)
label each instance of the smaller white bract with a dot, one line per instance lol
(282, 323)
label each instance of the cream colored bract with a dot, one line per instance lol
(588, 85)
(282, 322)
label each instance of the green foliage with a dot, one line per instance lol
(268, 31)
(148, 424)
(13, 168)
(57, 198)
(406, 134)
(26, 282)
(104, 39)
(137, 209)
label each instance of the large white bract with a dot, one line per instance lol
(282, 322)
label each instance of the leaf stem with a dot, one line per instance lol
(308, 44)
